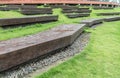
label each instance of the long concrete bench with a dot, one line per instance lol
(39, 9)
(77, 15)
(98, 8)
(91, 22)
(27, 20)
(75, 8)
(109, 19)
(16, 7)
(33, 11)
(77, 11)
(19, 50)
(110, 13)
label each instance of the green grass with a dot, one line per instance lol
(100, 59)
(10, 14)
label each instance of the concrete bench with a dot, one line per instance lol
(98, 8)
(77, 11)
(91, 22)
(77, 15)
(19, 50)
(27, 20)
(39, 9)
(109, 19)
(110, 13)
(33, 11)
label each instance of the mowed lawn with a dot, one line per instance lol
(100, 59)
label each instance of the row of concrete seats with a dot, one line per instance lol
(76, 15)
(99, 8)
(75, 10)
(27, 20)
(16, 7)
(13, 52)
(93, 21)
(34, 11)
(109, 13)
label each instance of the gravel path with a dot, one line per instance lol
(39, 64)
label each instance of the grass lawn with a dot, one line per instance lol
(100, 59)
(10, 14)
(35, 28)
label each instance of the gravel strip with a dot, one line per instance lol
(38, 64)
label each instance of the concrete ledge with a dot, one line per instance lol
(74, 8)
(16, 51)
(98, 8)
(35, 12)
(77, 15)
(77, 11)
(38, 9)
(105, 14)
(27, 20)
(91, 22)
(109, 19)
(16, 7)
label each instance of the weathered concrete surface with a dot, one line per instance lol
(77, 15)
(74, 8)
(110, 13)
(40, 9)
(77, 11)
(109, 19)
(16, 51)
(16, 7)
(33, 11)
(27, 20)
(91, 22)
(98, 8)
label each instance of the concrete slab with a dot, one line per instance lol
(109, 19)
(110, 13)
(77, 15)
(19, 50)
(91, 22)
(27, 20)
